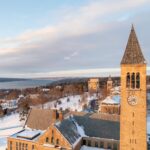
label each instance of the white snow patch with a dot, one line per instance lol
(73, 103)
(91, 148)
(109, 100)
(8, 126)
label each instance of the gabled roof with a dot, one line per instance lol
(39, 119)
(133, 53)
(69, 130)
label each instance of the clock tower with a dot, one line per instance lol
(133, 97)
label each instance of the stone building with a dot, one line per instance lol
(48, 130)
(109, 106)
(93, 85)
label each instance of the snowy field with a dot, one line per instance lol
(75, 103)
(8, 126)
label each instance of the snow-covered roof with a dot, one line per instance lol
(29, 134)
(90, 148)
(109, 100)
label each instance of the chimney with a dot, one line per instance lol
(54, 115)
(61, 117)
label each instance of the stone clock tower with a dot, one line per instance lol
(133, 97)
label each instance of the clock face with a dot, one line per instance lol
(132, 100)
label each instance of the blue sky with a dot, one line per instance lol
(39, 37)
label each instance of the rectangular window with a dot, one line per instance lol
(17, 146)
(96, 144)
(11, 145)
(89, 143)
(109, 146)
(101, 144)
(26, 147)
(84, 142)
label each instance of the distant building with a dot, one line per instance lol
(9, 104)
(109, 85)
(109, 106)
(93, 84)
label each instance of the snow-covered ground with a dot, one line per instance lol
(8, 126)
(73, 103)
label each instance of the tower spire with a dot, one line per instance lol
(133, 53)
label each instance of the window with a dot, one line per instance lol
(10, 145)
(84, 142)
(128, 80)
(89, 143)
(133, 114)
(32, 147)
(17, 146)
(133, 123)
(101, 144)
(52, 140)
(115, 147)
(96, 144)
(23, 146)
(47, 140)
(133, 80)
(138, 80)
(57, 142)
(26, 146)
(109, 146)
(52, 132)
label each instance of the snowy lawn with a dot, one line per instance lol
(74, 103)
(8, 126)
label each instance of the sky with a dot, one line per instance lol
(52, 37)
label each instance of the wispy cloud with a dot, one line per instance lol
(47, 49)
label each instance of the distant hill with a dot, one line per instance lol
(12, 79)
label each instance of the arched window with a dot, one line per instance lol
(52, 140)
(128, 80)
(133, 80)
(57, 142)
(138, 80)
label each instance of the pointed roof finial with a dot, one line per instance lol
(133, 53)
(132, 28)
